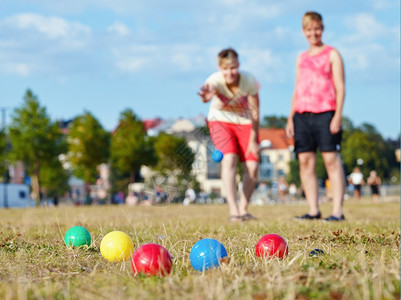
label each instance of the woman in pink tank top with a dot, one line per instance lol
(315, 117)
(314, 90)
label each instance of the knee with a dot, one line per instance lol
(248, 175)
(229, 162)
(307, 163)
(332, 164)
(252, 175)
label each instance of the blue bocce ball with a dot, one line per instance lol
(217, 156)
(206, 254)
(316, 252)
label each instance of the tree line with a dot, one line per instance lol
(361, 146)
(51, 157)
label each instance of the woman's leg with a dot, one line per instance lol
(250, 177)
(228, 176)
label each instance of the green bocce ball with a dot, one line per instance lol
(77, 236)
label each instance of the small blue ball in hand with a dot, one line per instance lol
(217, 156)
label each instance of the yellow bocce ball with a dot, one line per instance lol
(116, 246)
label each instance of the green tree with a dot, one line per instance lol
(347, 124)
(174, 155)
(382, 159)
(175, 158)
(89, 146)
(274, 122)
(347, 128)
(35, 139)
(293, 175)
(130, 146)
(54, 179)
(361, 145)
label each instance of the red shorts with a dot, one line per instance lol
(232, 138)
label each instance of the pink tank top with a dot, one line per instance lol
(314, 89)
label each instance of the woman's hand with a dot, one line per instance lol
(253, 148)
(207, 91)
(335, 124)
(289, 129)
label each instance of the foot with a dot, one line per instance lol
(235, 219)
(248, 217)
(334, 219)
(309, 217)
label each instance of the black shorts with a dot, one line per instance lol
(374, 189)
(312, 131)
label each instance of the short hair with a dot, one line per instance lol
(310, 16)
(227, 54)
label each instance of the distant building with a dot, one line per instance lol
(276, 149)
(152, 123)
(181, 125)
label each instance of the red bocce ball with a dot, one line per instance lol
(272, 245)
(151, 260)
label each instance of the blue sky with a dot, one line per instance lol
(152, 56)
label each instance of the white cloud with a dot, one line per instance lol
(51, 27)
(132, 64)
(263, 32)
(233, 2)
(370, 49)
(17, 69)
(79, 6)
(366, 27)
(162, 59)
(386, 4)
(36, 44)
(266, 65)
(182, 60)
(134, 58)
(119, 29)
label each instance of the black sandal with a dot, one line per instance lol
(248, 217)
(235, 219)
(309, 217)
(334, 219)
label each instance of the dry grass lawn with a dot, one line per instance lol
(361, 260)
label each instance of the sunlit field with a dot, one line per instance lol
(361, 255)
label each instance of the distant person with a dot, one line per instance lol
(315, 116)
(55, 200)
(160, 195)
(374, 182)
(120, 197)
(190, 196)
(282, 186)
(132, 199)
(293, 191)
(329, 192)
(233, 122)
(357, 181)
(263, 192)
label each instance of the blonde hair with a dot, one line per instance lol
(227, 54)
(311, 16)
